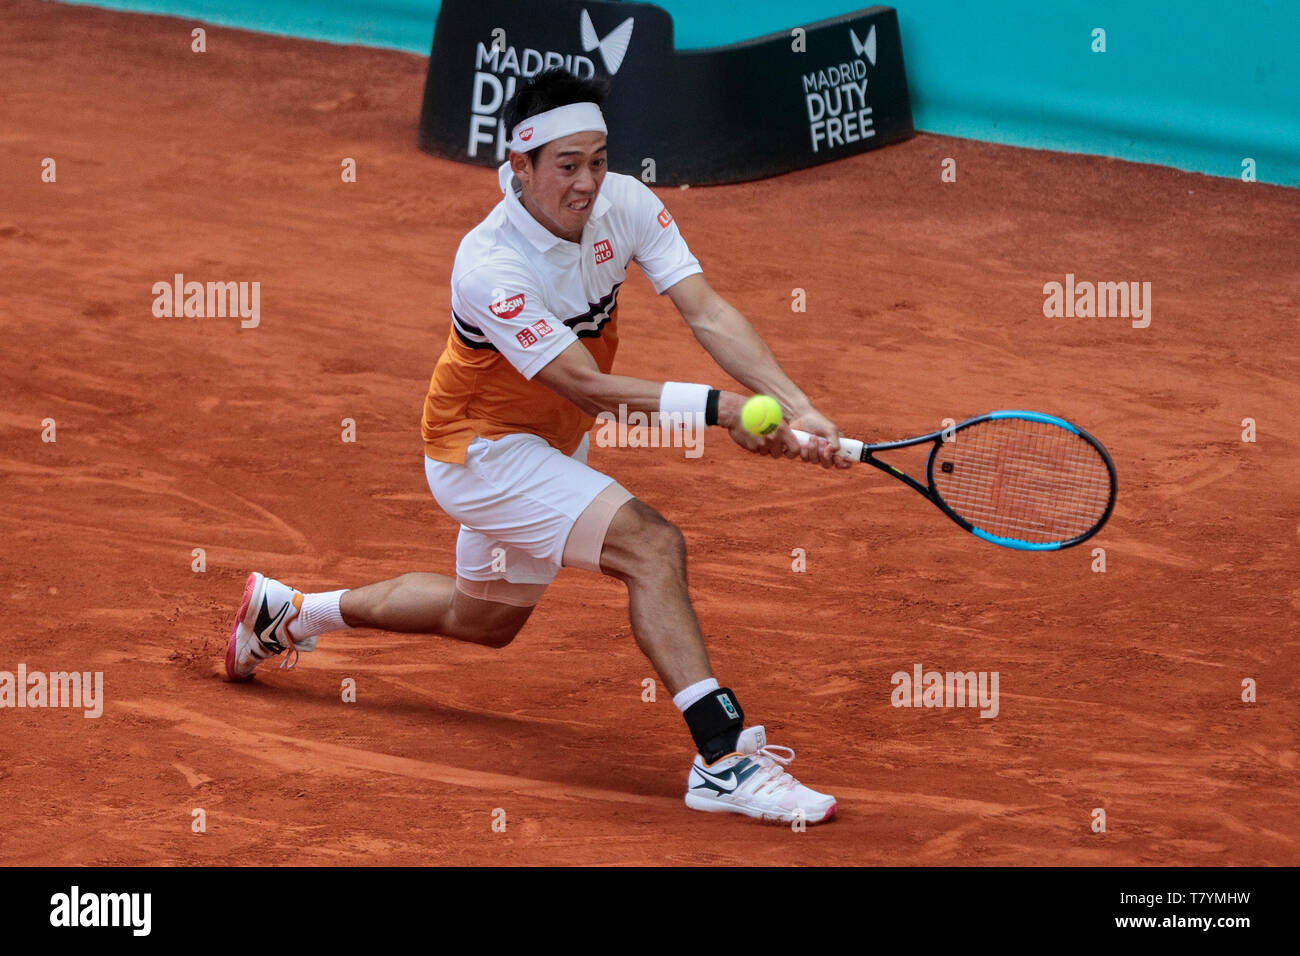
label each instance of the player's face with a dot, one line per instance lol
(561, 186)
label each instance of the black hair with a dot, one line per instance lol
(548, 90)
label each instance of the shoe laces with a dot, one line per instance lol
(772, 777)
(291, 658)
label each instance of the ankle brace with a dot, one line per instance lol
(715, 721)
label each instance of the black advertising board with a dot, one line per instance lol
(813, 93)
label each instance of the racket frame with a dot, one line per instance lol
(866, 453)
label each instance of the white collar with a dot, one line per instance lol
(523, 220)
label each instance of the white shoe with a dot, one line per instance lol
(261, 628)
(753, 781)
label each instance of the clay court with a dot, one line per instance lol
(1120, 690)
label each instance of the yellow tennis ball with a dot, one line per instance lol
(761, 415)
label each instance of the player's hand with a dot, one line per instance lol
(825, 442)
(782, 443)
(729, 406)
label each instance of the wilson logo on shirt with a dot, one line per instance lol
(604, 251)
(508, 308)
(665, 217)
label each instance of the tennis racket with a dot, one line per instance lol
(1023, 480)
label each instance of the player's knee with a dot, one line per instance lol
(645, 543)
(499, 636)
(670, 545)
(499, 629)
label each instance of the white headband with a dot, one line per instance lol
(562, 121)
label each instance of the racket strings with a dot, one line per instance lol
(1021, 479)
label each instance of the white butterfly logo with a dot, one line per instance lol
(867, 46)
(614, 47)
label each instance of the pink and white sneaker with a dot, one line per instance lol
(261, 628)
(753, 781)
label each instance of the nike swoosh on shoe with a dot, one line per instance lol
(264, 629)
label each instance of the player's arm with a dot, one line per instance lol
(742, 353)
(499, 306)
(574, 375)
(667, 262)
(733, 343)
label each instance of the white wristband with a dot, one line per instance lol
(683, 402)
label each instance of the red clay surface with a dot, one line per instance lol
(1119, 690)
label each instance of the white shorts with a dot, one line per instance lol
(516, 499)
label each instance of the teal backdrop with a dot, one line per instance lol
(1193, 84)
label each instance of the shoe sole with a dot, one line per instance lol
(250, 586)
(713, 805)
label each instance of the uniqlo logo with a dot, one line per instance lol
(542, 328)
(526, 338)
(604, 251)
(665, 217)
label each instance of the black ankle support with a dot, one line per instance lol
(715, 721)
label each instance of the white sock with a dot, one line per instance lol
(320, 614)
(684, 698)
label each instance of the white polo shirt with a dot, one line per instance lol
(520, 295)
(522, 290)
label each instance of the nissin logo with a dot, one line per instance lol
(508, 308)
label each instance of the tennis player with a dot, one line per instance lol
(534, 302)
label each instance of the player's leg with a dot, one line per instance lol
(480, 605)
(494, 591)
(422, 603)
(623, 537)
(274, 618)
(648, 553)
(735, 771)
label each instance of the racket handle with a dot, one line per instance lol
(850, 448)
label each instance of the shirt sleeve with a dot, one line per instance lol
(498, 306)
(661, 252)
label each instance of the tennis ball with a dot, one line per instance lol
(761, 415)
